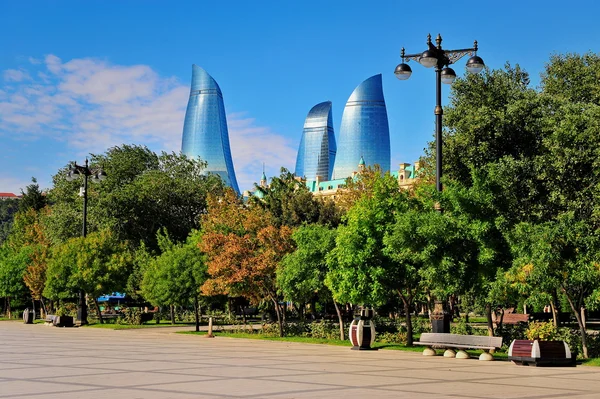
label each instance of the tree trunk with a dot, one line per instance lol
(8, 312)
(409, 329)
(200, 312)
(243, 314)
(43, 311)
(340, 320)
(278, 312)
(301, 309)
(488, 316)
(196, 312)
(553, 308)
(582, 328)
(172, 310)
(554, 314)
(98, 311)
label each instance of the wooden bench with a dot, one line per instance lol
(461, 342)
(510, 318)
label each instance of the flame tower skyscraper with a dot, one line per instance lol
(316, 153)
(364, 131)
(205, 133)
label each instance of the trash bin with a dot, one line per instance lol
(28, 316)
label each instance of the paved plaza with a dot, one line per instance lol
(37, 361)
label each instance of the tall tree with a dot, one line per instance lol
(8, 209)
(244, 247)
(360, 269)
(302, 274)
(291, 203)
(32, 197)
(175, 276)
(97, 264)
(559, 255)
(142, 193)
(12, 269)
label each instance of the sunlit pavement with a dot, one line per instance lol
(37, 361)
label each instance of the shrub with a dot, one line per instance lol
(542, 331)
(421, 325)
(462, 328)
(510, 332)
(325, 330)
(391, 338)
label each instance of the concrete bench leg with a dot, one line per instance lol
(462, 355)
(449, 353)
(486, 356)
(429, 352)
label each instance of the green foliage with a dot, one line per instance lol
(175, 276)
(142, 193)
(302, 272)
(8, 209)
(510, 332)
(492, 116)
(421, 325)
(542, 331)
(32, 198)
(12, 269)
(360, 270)
(461, 327)
(573, 77)
(96, 264)
(291, 203)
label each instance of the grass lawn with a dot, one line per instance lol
(113, 326)
(308, 340)
(591, 362)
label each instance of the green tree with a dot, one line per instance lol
(12, 270)
(8, 209)
(97, 264)
(559, 255)
(142, 193)
(360, 268)
(573, 78)
(33, 197)
(291, 203)
(302, 274)
(175, 276)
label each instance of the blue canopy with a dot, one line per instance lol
(115, 296)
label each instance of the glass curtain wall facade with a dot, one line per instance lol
(364, 131)
(205, 133)
(316, 153)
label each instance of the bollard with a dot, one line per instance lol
(210, 333)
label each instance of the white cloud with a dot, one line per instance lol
(97, 105)
(16, 75)
(252, 145)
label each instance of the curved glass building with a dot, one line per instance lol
(205, 133)
(316, 154)
(364, 131)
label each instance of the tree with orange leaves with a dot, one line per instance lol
(244, 248)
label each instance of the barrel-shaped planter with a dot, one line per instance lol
(362, 331)
(540, 353)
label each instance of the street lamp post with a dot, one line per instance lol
(436, 56)
(97, 175)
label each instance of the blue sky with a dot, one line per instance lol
(78, 77)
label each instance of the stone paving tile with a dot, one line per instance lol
(45, 362)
